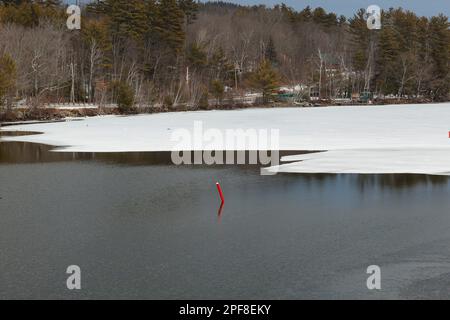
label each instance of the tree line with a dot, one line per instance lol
(166, 53)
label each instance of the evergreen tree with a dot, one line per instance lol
(306, 14)
(271, 52)
(389, 50)
(440, 53)
(170, 25)
(342, 20)
(13, 2)
(319, 16)
(127, 18)
(29, 13)
(220, 65)
(7, 79)
(125, 96)
(190, 9)
(197, 57)
(359, 40)
(265, 79)
(218, 90)
(97, 31)
(288, 13)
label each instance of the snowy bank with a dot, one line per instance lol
(360, 139)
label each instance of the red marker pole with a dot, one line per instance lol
(220, 192)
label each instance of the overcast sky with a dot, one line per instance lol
(349, 7)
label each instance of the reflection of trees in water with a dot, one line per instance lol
(399, 181)
(17, 133)
(23, 152)
(369, 181)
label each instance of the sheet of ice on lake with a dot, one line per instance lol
(359, 139)
(370, 161)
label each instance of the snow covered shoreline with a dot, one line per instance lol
(359, 139)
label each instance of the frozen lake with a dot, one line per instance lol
(357, 139)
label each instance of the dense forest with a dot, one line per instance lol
(166, 53)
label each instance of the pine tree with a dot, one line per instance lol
(29, 13)
(12, 2)
(360, 40)
(197, 56)
(321, 17)
(97, 30)
(289, 13)
(271, 52)
(440, 53)
(7, 79)
(220, 65)
(306, 14)
(342, 20)
(190, 9)
(169, 25)
(128, 19)
(266, 79)
(218, 90)
(388, 60)
(125, 96)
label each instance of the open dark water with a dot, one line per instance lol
(141, 228)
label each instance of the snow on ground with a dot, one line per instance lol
(359, 139)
